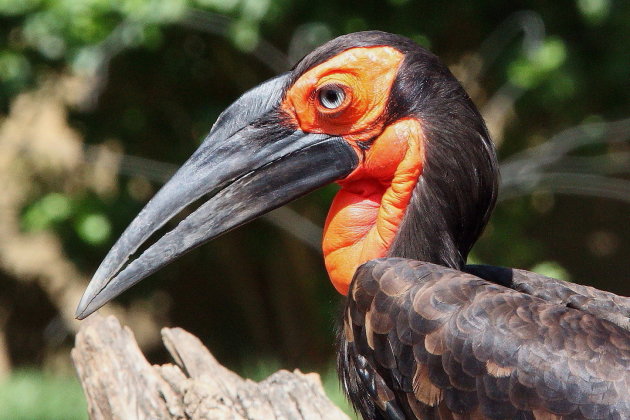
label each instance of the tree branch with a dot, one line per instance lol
(119, 383)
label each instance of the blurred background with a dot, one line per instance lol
(100, 101)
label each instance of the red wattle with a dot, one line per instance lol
(366, 213)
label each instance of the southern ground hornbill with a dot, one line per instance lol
(423, 335)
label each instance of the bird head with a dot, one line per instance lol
(372, 111)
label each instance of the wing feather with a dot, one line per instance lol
(437, 343)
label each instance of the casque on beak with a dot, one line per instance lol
(251, 162)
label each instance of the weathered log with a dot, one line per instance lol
(119, 383)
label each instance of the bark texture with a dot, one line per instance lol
(119, 383)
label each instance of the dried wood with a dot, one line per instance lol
(119, 383)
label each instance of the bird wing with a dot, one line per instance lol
(424, 341)
(602, 304)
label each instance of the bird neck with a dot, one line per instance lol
(453, 198)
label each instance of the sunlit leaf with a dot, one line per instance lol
(595, 11)
(51, 208)
(13, 66)
(94, 228)
(551, 269)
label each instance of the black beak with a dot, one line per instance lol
(251, 163)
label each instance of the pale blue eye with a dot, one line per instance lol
(331, 97)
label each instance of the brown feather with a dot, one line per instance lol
(347, 327)
(498, 371)
(423, 389)
(369, 332)
(545, 415)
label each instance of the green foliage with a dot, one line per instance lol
(528, 72)
(51, 208)
(33, 395)
(594, 11)
(94, 228)
(551, 269)
(54, 209)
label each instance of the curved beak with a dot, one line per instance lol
(251, 162)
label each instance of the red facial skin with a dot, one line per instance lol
(366, 213)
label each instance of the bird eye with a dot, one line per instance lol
(331, 96)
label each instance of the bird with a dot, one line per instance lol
(422, 334)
